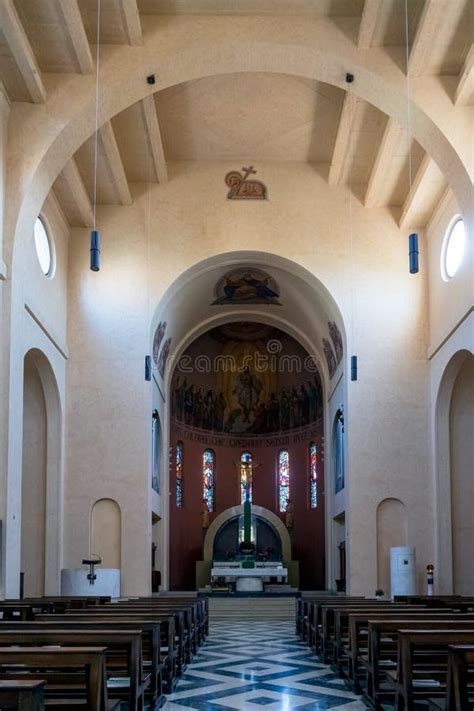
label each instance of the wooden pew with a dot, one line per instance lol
(328, 620)
(124, 649)
(460, 679)
(186, 625)
(304, 605)
(22, 695)
(49, 663)
(383, 647)
(371, 654)
(165, 624)
(311, 622)
(151, 643)
(422, 664)
(185, 631)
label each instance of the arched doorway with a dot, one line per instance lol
(454, 456)
(461, 431)
(40, 490)
(242, 306)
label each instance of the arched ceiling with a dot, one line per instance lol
(275, 113)
(304, 311)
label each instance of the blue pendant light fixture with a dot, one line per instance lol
(413, 253)
(95, 236)
(353, 367)
(148, 368)
(95, 251)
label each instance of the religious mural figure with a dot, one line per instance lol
(336, 338)
(163, 357)
(243, 189)
(245, 399)
(330, 357)
(158, 338)
(247, 389)
(247, 286)
(289, 520)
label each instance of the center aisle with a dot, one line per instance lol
(250, 665)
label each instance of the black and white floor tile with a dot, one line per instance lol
(255, 666)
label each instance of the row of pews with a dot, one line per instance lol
(414, 652)
(94, 653)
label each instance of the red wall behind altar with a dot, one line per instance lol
(186, 533)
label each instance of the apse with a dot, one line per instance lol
(246, 391)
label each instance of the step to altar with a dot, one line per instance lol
(252, 608)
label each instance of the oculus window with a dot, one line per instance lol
(44, 249)
(453, 248)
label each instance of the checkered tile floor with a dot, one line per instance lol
(255, 666)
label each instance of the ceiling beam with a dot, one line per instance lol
(20, 48)
(368, 22)
(131, 21)
(431, 16)
(341, 144)
(154, 138)
(78, 190)
(77, 34)
(465, 88)
(114, 159)
(413, 195)
(386, 150)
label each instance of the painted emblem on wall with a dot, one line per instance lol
(336, 339)
(163, 357)
(241, 188)
(247, 286)
(158, 339)
(330, 357)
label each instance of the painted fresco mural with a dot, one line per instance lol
(246, 378)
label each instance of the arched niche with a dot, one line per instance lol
(443, 470)
(106, 533)
(186, 312)
(392, 530)
(41, 477)
(235, 512)
(461, 426)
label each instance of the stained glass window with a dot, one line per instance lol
(208, 478)
(178, 466)
(338, 451)
(283, 479)
(313, 475)
(246, 475)
(155, 451)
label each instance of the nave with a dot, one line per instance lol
(249, 665)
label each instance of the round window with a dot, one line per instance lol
(43, 248)
(453, 248)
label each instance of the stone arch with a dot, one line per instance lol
(106, 532)
(44, 459)
(303, 282)
(324, 61)
(443, 469)
(235, 511)
(392, 530)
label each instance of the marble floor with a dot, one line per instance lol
(257, 666)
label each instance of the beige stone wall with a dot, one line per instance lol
(384, 310)
(449, 301)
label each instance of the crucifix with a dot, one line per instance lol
(246, 467)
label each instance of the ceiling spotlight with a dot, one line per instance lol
(151, 79)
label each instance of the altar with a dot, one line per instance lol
(249, 579)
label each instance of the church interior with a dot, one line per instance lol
(237, 354)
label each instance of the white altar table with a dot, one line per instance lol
(250, 579)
